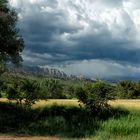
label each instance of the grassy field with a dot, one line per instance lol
(59, 102)
(126, 127)
(129, 104)
(63, 119)
(125, 103)
(135, 103)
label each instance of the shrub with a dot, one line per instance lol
(14, 91)
(95, 96)
(26, 92)
(31, 89)
(53, 89)
(136, 93)
(69, 91)
(125, 89)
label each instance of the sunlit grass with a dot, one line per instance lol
(61, 102)
(74, 102)
(127, 103)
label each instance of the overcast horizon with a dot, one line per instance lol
(95, 38)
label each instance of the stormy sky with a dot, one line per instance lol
(95, 38)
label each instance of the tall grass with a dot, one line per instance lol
(123, 128)
(70, 122)
(62, 121)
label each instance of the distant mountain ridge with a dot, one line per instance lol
(39, 70)
(45, 71)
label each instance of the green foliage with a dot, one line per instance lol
(136, 91)
(53, 89)
(128, 90)
(70, 91)
(25, 91)
(14, 92)
(11, 43)
(124, 89)
(95, 96)
(2, 68)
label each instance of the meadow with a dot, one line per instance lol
(49, 108)
(64, 120)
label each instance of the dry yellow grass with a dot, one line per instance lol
(41, 103)
(66, 102)
(131, 103)
(3, 100)
(128, 103)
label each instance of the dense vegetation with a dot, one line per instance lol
(93, 117)
(68, 122)
(93, 96)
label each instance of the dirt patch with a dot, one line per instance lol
(10, 137)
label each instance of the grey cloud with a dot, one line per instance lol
(112, 3)
(103, 69)
(62, 31)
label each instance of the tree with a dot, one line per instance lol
(14, 92)
(136, 91)
(54, 88)
(125, 89)
(95, 97)
(24, 91)
(31, 90)
(11, 43)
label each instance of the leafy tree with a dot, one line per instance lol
(70, 91)
(136, 90)
(125, 89)
(31, 90)
(95, 96)
(11, 43)
(25, 91)
(54, 88)
(14, 92)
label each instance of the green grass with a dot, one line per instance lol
(70, 122)
(61, 121)
(122, 128)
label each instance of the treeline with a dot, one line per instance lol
(26, 91)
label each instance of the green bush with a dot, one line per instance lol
(95, 97)
(124, 89)
(53, 89)
(31, 91)
(69, 91)
(25, 91)
(128, 89)
(136, 92)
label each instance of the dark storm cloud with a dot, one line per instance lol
(63, 31)
(42, 33)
